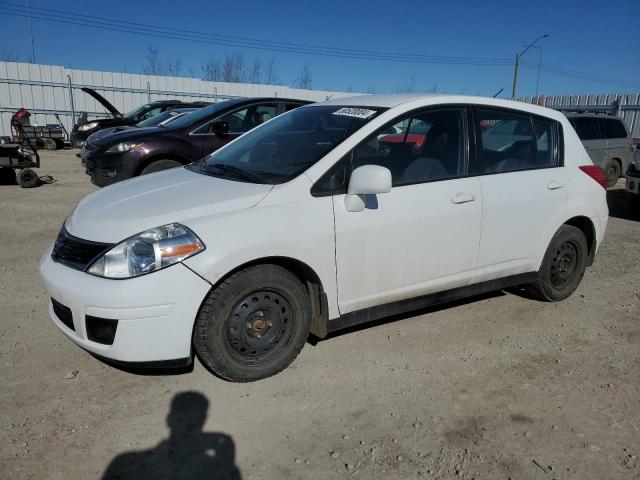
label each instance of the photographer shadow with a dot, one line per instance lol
(188, 453)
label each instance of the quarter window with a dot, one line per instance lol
(425, 147)
(612, 128)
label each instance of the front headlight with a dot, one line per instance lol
(147, 252)
(87, 126)
(124, 147)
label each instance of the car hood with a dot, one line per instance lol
(100, 134)
(177, 195)
(122, 134)
(103, 101)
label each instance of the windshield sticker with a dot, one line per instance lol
(355, 112)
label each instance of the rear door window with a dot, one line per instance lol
(587, 128)
(510, 142)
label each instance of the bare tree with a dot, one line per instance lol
(211, 70)
(233, 68)
(175, 68)
(270, 75)
(153, 63)
(8, 56)
(371, 90)
(156, 65)
(255, 74)
(303, 80)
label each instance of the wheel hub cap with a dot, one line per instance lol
(260, 325)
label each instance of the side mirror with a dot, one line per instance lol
(220, 128)
(366, 180)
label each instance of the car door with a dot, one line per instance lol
(588, 129)
(524, 190)
(239, 121)
(422, 236)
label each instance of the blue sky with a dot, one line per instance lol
(588, 36)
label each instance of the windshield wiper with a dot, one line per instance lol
(238, 172)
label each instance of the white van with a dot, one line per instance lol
(331, 215)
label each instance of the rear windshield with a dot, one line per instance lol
(286, 146)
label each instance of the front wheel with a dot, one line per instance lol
(254, 324)
(159, 165)
(563, 265)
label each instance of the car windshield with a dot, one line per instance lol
(200, 115)
(157, 119)
(137, 112)
(286, 146)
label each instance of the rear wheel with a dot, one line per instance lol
(563, 266)
(254, 324)
(27, 178)
(50, 144)
(159, 165)
(613, 172)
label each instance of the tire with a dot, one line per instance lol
(253, 325)
(159, 165)
(27, 178)
(563, 266)
(50, 144)
(612, 171)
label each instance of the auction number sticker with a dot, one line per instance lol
(355, 112)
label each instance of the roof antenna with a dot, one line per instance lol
(498, 92)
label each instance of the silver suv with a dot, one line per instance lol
(607, 142)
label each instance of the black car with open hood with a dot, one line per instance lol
(130, 152)
(85, 127)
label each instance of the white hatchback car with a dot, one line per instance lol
(332, 215)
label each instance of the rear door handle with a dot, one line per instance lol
(554, 185)
(463, 198)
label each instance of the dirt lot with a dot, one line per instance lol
(495, 387)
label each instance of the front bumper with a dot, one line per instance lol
(108, 168)
(155, 312)
(633, 181)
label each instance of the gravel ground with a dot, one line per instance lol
(494, 387)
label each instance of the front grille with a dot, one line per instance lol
(63, 313)
(75, 252)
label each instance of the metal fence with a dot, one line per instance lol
(48, 89)
(625, 105)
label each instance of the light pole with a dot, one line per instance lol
(518, 55)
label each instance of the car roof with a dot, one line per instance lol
(418, 100)
(591, 115)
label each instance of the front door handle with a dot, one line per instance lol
(554, 185)
(463, 198)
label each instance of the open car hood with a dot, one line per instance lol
(103, 101)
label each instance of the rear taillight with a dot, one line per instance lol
(596, 173)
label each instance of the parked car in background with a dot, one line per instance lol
(161, 119)
(86, 127)
(607, 141)
(633, 174)
(138, 151)
(309, 224)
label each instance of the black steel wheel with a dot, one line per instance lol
(254, 324)
(563, 265)
(259, 326)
